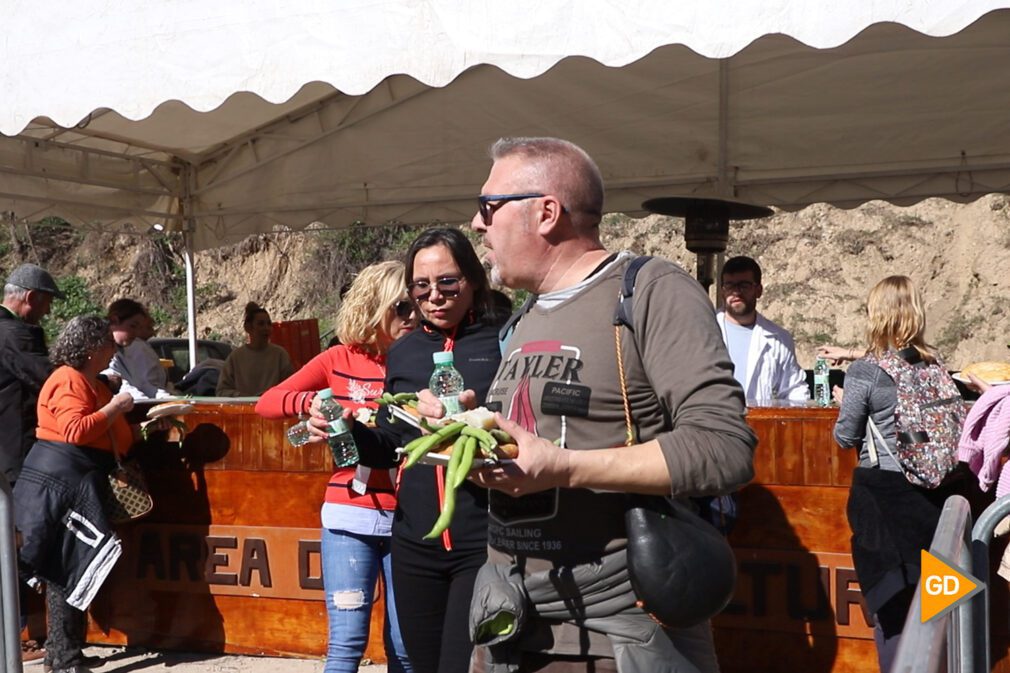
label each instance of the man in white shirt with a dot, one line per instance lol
(764, 358)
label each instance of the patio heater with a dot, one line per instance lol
(706, 226)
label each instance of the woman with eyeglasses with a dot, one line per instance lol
(434, 578)
(357, 512)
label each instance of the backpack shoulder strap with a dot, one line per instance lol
(506, 330)
(623, 312)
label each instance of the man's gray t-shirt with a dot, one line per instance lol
(738, 343)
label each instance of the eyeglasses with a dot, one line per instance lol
(447, 286)
(403, 309)
(488, 203)
(742, 286)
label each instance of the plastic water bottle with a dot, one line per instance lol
(822, 386)
(446, 383)
(345, 451)
(298, 434)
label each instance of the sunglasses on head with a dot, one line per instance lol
(448, 287)
(404, 309)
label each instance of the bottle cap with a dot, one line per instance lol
(442, 358)
(325, 394)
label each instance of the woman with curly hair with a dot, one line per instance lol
(358, 509)
(67, 540)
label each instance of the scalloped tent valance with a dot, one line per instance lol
(230, 118)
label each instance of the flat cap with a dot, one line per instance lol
(34, 277)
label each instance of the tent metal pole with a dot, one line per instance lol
(187, 256)
(187, 180)
(723, 153)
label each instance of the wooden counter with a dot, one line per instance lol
(229, 560)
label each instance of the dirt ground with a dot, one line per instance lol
(124, 660)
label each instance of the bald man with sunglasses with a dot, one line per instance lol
(556, 524)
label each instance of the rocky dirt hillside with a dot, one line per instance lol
(818, 264)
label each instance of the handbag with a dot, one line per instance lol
(127, 497)
(682, 569)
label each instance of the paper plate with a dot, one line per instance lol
(409, 418)
(169, 409)
(957, 376)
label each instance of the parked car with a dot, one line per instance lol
(177, 350)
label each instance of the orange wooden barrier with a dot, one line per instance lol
(229, 560)
(300, 338)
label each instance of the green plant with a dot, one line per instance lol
(77, 300)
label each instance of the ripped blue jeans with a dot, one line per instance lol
(351, 565)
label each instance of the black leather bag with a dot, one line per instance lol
(682, 569)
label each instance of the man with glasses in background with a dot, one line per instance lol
(556, 522)
(764, 358)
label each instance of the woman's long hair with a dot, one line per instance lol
(897, 318)
(466, 259)
(364, 306)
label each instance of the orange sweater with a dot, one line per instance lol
(69, 412)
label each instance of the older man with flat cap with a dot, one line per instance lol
(24, 360)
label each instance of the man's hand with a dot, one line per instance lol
(541, 465)
(429, 406)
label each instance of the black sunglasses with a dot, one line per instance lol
(403, 308)
(447, 286)
(488, 203)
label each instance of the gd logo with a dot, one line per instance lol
(943, 586)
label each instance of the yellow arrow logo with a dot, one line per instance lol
(943, 586)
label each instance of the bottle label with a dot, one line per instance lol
(338, 427)
(822, 390)
(451, 404)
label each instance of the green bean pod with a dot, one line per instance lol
(448, 497)
(401, 398)
(501, 436)
(431, 441)
(466, 461)
(487, 441)
(412, 444)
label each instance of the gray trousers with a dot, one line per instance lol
(67, 628)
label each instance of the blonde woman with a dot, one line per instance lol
(356, 526)
(891, 519)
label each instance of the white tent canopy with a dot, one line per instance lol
(221, 119)
(140, 113)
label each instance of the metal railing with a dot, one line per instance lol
(981, 538)
(961, 636)
(10, 618)
(924, 647)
